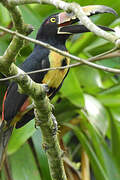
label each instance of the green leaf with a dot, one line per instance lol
(43, 163)
(104, 160)
(23, 165)
(89, 79)
(115, 111)
(111, 91)
(65, 110)
(4, 40)
(19, 137)
(4, 16)
(97, 167)
(104, 153)
(42, 11)
(98, 46)
(79, 42)
(96, 113)
(2, 174)
(72, 90)
(115, 139)
(110, 100)
(30, 18)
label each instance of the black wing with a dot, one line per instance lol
(14, 100)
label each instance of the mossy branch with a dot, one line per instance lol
(44, 119)
(16, 44)
(43, 108)
(82, 61)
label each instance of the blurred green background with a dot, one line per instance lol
(87, 107)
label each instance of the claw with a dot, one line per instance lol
(45, 87)
(37, 121)
(55, 129)
(52, 106)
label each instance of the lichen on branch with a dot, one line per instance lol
(36, 91)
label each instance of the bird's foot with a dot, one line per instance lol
(45, 87)
(37, 121)
(55, 129)
(58, 131)
(52, 106)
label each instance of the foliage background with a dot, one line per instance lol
(87, 107)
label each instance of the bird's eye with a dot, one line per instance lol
(53, 20)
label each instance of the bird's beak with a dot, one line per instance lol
(66, 20)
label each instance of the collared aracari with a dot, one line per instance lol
(55, 30)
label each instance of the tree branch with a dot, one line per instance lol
(37, 92)
(16, 43)
(109, 54)
(44, 119)
(83, 61)
(78, 11)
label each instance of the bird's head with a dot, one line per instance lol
(60, 26)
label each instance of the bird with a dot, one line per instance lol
(55, 30)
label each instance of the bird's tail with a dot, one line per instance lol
(4, 138)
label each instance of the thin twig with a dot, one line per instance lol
(102, 55)
(41, 70)
(112, 70)
(77, 10)
(95, 58)
(16, 43)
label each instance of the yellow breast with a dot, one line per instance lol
(54, 78)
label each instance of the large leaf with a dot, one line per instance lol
(97, 47)
(110, 97)
(2, 175)
(110, 100)
(111, 91)
(100, 155)
(23, 164)
(103, 150)
(89, 79)
(19, 137)
(4, 41)
(72, 90)
(96, 113)
(43, 163)
(116, 115)
(4, 16)
(115, 139)
(99, 171)
(65, 110)
(40, 10)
